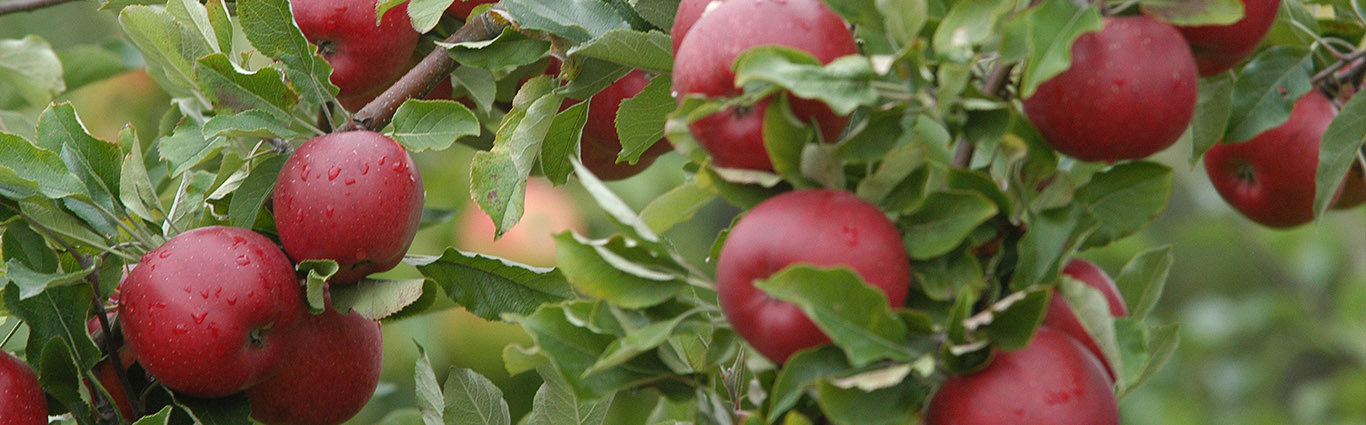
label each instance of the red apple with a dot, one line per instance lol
(601, 144)
(1053, 380)
(548, 211)
(813, 227)
(354, 197)
(688, 13)
(462, 8)
(1270, 178)
(109, 378)
(365, 57)
(1061, 317)
(333, 369)
(1353, 190)
(702, 65)
(1129, 93)
(21, 398)
(201, 312)
(1219, 47)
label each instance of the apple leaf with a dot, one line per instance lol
(1125, 198)
(57, 315)
(19, 243)
(1194, 12)
(382, 299)
(855, 315)
(579, 21)
(676, 206)
(478, 82)
(858, 12)
(233, 89)
(471, 399)
(886, 406)
(562, 140)
(161, 417)
(490, 287)
(253, 124)
(87, 63)
(968, 24)
(424, 14)
(1212, 111)
(1049, 31)
(31, 283)
(651, 51)
(898, 183)
(187, 147)
(95, 162)
(221, 21)
(169, 48)
(941, 278)
(317, 273)
(801, 372)
(1010, 322)
(1338, 151)
(621, 214)
(844, 84)
(573, 349)
(421, 125)
(509, 50)
(1266, 91)
(659, 13)
(430, 401)
(1053, 236)
(251, 195)
(48, 214)
(31, 68)
(499, 176)
(1142, 280)
(556, 404)
(637, 342)
(25, 165)
(195, 17)
(943, 221)
(1093, 311)
(1158, 346)
(614, 271)
(640, 119)
(269, 25)
(784, 139)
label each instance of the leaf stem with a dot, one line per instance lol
(994, 85)
(15, 6)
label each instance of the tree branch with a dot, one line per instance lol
(15, 6)
(993, 85)
(423, 77)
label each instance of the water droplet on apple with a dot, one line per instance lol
(333, 173)
(350, 181)
(232, 301)
(180, 329)
(238, 241)
(382, 160)
(242, 260)
(199, 318)
(330, 211)
(364, 168)
(303, 172)
(204, 293)
(164, 254)
(187, 289)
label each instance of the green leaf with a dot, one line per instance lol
(379, 299)
(135, 187)
(904, 18)
(561, 141)
(35, 170)
(253, 124)
(573, 349)
(489, 287)
(169, 48)
(1194, 12)
(1266, 91)
(641, 118)
(1161, 343)
(221, 21)
(651, 51)
(1093, 311)
(556, 404)
(421, 125)
(1051, 28)
(617, 210)
(844, 84)
(858, 12)
(30, 67)
(943, 221)
(1212, 112)
(1125, 198)
(236, 89)
(511, 49)
(676, 206)
(162, 417)
(890, 406)
(93, 161)
(856, 316)
(785, 137)
(316, 273)
(801, 372)
(188, 147)
(478, 82)
(31, 283)
(85, 64)
(472, 399)
(576, 20)
(424, 14)
(967, 25)
(1337, 151)
(57, 314)
(269, 25)
(499, 176)
(596, 269)
(635, 343)
(20, 243)
(1142, 280)
(430, 401)
(195, 16)
(942, 277)
(48, 214)
(1013, 319)
(1053, 235)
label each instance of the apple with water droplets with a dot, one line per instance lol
(21, 399)
(365, 56)
(333, 368)
(1060, 316)
(202, 312)
(354, 198)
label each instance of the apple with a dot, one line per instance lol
(462, 8)
(813, 227)
(365, 57)
(702, 65)
(201, 311)
(109, 378)
(1270, 178)
(1129, 93)
(1060, 316)
(688, 13)
(1053, 380)
(21, 398)
(333, 369)
(1219, 47)
(547, 211)
(353, 197)
(1353, 190)
(600, 144)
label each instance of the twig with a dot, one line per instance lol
(14, 6)
(994, 85)
(423, 77)
(1344, 61)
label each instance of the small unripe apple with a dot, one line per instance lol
(1053, 380)
(1270, 178)
(1060, 316)
(202, 311)
(1219, 47)
(332, 370)
(548, 211)
(824, 228)
(353, 197)
(462, 8)
(689, 11)
(600, 144)
(1129, 93)
(21, 398)
(734, 137)
(365, 57)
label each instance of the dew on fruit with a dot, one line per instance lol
(303, 172)
(852, 235)
(204, 294)
(164, 254)
(180, 329)
(400, 167)
(333, 173)
(199, 318)
(331, 210)
(187, 289)
(160, 305)
(242, 260)
(382, 159)
(238, 241)
(364, 168)
(350, 181)
(146, 257)
(232, 301)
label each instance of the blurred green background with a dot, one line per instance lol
(1273, 323)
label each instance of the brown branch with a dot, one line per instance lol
(15, 6)
(423, 77)
(994, 85)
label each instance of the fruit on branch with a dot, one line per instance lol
(1053, 380)
(824, 228)
(689, 11)
(353, 197)
(734, 137)
(332, 369)
(1353, 189)
(202, 311)
(109, 379)
(1218, 48)
(1270, 178)
(21, 398)
(548, 211)
(462, 8)
(600, 144)
(1060, 316)
(364, 56)
(1130, 92)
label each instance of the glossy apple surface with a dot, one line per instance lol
(688, 13)
(600, 144)
(1053, 380)
(547, 211)
(813, 227)
(462, 8)
(1353, 189)
(1060, 316)
(1218, 48)
(1130, 92)
(201, 312)
(332, 370)
(1270, 178)
(21, 399)
(364, 56)
(353, 197)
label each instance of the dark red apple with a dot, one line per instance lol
(1353, 190)
(1061, 317)
(1129, 93)
(109, 378)
(600, 144)
(702, 65)
(462, 8)
(21, 398)
(201, 312)
(365, 57)
(1053, 380)
(1270, 178)
(812, 227)
(688, 13)
(1219, 47)
(353, 197)
(332, 370)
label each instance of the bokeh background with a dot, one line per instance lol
(1273, 323)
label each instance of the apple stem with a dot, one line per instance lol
(994, 85)
(14, 6)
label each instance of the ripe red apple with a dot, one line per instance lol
(734, 137)
(353, 197)
(21, 398)
(462, 8)
(688, 13)
(1053, 380)
(1353, 190)
(548, 211)
(1219, 47)
(813, 227)
(109, 378)
(1129, 93)
(600, 144)
(1061, 317)
(332, 370)
(364, 56)
(1270, 178)
(201, 312)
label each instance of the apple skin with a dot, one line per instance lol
(689, 11)
(1270, 178)
(462, 8)
(1217, 48)
(1053, 380)
(548, 211)
(1353, 189)
(1130, 92)
(201, 311)
(1060, 316)
(332, 371)
(364, 56)
(814, 227)
(21, 398)
(734, 136)
(353, 197)
(600, 144)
